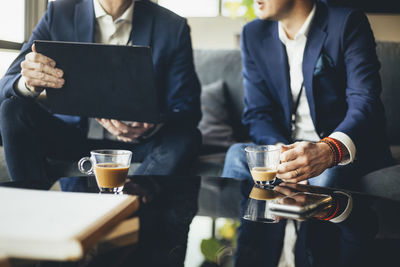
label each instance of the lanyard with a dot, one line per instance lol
(296, 106)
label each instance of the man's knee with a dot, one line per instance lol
(14, 107)
(235, 165)
(236, 155)
(13, 114)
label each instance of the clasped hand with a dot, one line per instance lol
(303, 160)
(125, 131)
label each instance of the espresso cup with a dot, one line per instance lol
(263, 163)
(110, 167)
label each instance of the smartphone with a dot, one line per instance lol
(300, 202)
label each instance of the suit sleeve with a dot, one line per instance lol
(259, 106)
(41, 32)
(183, 86)
(363, 86)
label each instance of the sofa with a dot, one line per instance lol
(219, 72)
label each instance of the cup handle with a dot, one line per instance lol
(82, 169)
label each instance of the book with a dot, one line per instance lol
(126, 233)
(60, 226)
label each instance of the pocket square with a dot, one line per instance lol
(324, 63)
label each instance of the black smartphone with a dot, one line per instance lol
(299, 203)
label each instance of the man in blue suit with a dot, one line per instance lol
(310, 72)
(31, 134)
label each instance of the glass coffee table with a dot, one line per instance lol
(198, 221)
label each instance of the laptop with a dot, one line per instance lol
(103, 81)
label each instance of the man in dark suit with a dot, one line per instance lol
(311, 72)
(31, 134)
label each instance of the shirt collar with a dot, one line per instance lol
(303, 31)
(100, 12)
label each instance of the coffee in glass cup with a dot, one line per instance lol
(263, 163)
(110, 167)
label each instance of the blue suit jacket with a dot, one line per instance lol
(166, 33)
(341, 79)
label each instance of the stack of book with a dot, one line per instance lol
(62, 226)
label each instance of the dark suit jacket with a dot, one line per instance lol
(166, 33)
(341, 79)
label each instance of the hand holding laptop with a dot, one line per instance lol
(39, 72)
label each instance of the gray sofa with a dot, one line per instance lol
(225, 66)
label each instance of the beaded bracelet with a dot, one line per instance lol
(333, 149)
(338, 146)
(330, 217)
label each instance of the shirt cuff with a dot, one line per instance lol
(346, 213)
(348, 143)
(20, 88)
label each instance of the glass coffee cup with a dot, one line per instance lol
(263, 163)
(110, 167)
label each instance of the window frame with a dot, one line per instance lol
(33, 11)
(219, 9)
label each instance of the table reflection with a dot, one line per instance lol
(168, 205)
(314, 237)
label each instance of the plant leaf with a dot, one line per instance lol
(209, 248)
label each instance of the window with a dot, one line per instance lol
(232, 8)
(6, 58)
(17, 20)
(12, 20)
(12, 25)
(192, 8)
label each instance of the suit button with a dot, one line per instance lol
(322, 134)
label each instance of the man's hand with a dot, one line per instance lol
(39, 71)
(125, 131)
(303, 160)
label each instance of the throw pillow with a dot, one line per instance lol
(215, 123)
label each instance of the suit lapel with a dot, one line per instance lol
(315, 41)
(84, 21)
(277, 65)
(142, 26)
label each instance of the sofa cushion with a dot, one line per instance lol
(214, 65)
(210, 164)
(215, 124)
(395, 153)
(389, 56)
(384, 182)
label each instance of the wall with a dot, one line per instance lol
(221, 32)
(215, 32)
(385, 27)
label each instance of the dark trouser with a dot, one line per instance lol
(31, 135)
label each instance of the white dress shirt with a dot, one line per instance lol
(304, 127)
(109, 31)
